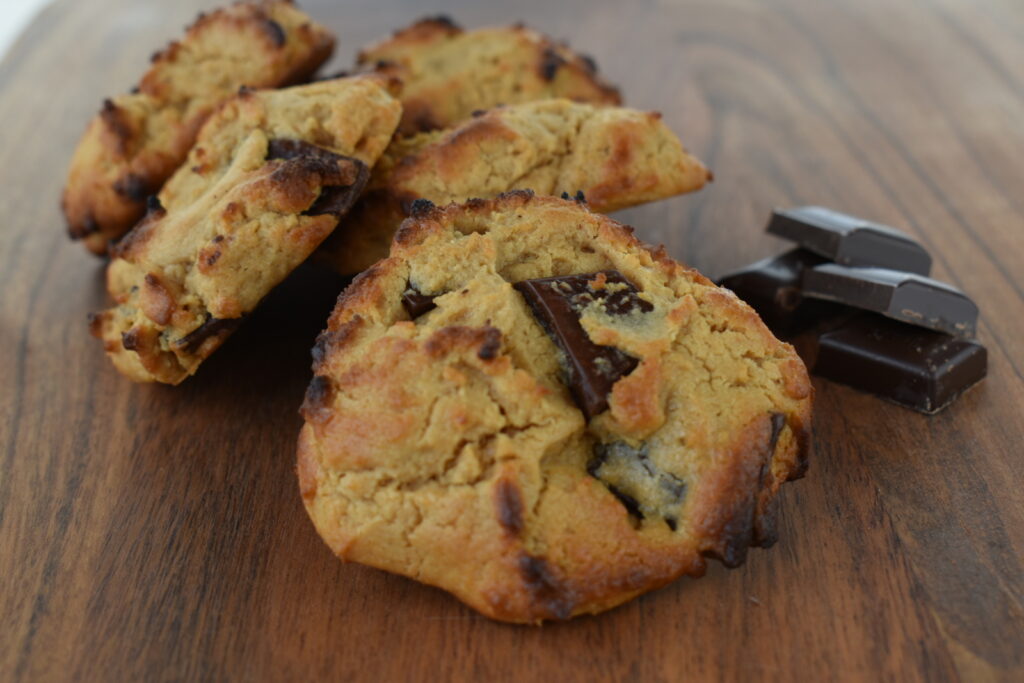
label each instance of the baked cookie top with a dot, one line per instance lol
(449, 73)
(617, 157)
(527, 407)
(138, 140)
(269, 177)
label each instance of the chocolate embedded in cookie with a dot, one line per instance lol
(416, 304)
(446, 444)
(849, 240)
(632, 477)
(558, 302)
(267, 181)
(903, 296)
(138, 140)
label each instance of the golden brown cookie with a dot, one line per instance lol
(267, 180)
(449, 73)
(526, 407)
(616, 157)
(139, 139)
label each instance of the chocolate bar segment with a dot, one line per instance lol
(849, 240)
(914, 367)
(772, 288)
(903, 296)
(558, 303)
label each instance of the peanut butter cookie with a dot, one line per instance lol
(526, 407)
(617, 157)
(138, 140)
(269, 177)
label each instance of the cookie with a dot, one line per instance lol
(139, 139)
(270, 175)
(526, 407)
(617, 157)
(449, 73)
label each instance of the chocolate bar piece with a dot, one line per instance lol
(557, 303)
(903, 296)
(849, 240)
(914, 367)
(416, 303)
(772, 288)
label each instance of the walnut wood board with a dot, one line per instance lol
(153, 533)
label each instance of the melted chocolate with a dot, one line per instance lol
(335, 200)
(211, 327)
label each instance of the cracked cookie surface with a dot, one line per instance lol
(268, 179)
(448, 73)
(447, 439)
(139, 139)
(617, 157)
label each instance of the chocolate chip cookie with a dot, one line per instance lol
(270, 175)
(525, 406)
(617, 157)
(139, 139)
(449, 73)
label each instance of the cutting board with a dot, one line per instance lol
(156, 533)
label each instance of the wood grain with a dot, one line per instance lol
(156, 533)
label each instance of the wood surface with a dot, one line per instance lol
(154, 533)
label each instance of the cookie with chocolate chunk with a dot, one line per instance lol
(527, 407)
(449, 73)
(268, 179)
(138, 139)
(617, 157)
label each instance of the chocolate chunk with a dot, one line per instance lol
(903, 296)
(491, 346)
(211, 327)
(443, 20)
(133, 187)
(550, 63)
(415, 303)
(632, 477)
(275, 32)
(628, 501)
(316, 406)
(334, 199)
(338, 199)
(420, 207)
(557, 303)
(772, 288)
(153, 206)
(849, 240)
(545, 588)
(509, 502)
(914, 367)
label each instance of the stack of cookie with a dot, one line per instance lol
(516, 400)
